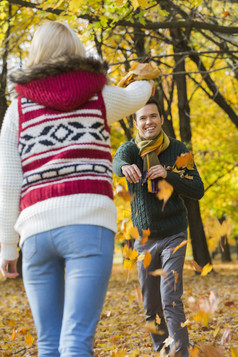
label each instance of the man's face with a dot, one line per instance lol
(148, 121)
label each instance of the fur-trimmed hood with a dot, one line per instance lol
(64, 83)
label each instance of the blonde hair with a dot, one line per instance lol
(54, 39)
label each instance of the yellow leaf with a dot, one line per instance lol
(14, 335)
(133, 255)
(22, 331)
(29, 339)
(158, 319)
(165, 191)
(141, 257)
(128, 264)
(147, 259)
(75, 5)
(183, 324)
(184, 242)
(159, 272)
(188, 177)
(123, 193)
(134, 233)
(145, 236)
(206, 269)
(176, 276)
(119, 2)
(126, 251)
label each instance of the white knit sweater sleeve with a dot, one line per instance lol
(121, 102)
(10, 183)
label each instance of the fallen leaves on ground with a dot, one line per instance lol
(122, 330)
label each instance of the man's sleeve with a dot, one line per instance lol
(122, 157)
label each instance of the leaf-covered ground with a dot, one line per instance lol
(121, 329)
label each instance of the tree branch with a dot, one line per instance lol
(148, 25)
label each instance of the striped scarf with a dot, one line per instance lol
(149, 151)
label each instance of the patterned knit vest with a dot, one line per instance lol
(64, 153)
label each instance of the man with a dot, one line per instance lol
(144, 162)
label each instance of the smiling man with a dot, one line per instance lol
(144, 162)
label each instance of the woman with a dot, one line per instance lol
(56, 186)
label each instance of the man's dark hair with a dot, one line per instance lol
(152, 101)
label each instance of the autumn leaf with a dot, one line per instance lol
(128, 264)
(152, 327)
(22, 331)
(139, 71)
(185, 160)
(145, 236)
(165, 191)
(14, 335)
(138, 295)
(29, 339)
(184, 242)
(206, 269)
(147, 259)
(123, 193)
(137, 3)
(134, 233)
(157, 319)
(75, 5)
(159, 272)
(183, 324)
(194, 265)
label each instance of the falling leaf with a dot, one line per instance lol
(29, 340)
(165, 191)
(157, 319)
(123, 193)
(185, 160)
(183, 324)
(147, 259)
(206, 269)
(133, 255)
(134, 233)
(176, 276)
(153, 328)
(184, 242)
(128, 264)
(168, 341)
(141, 257)
(145, 236)
(159, 272)
(194, 265)
(138, 295)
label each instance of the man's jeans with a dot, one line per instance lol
(66, 273)
(162, 296)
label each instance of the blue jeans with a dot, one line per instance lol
(66, 272)
(162, 296)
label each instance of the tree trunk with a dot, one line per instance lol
(3, 75)
(198, 239)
